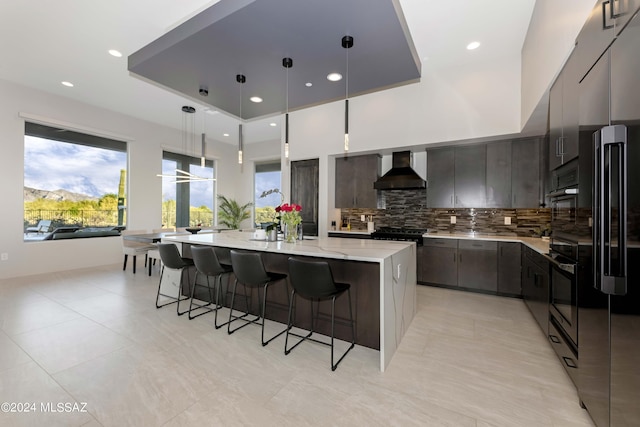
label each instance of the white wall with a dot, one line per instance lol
(550, 40)
(146, 141)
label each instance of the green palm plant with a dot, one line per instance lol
(230, 213)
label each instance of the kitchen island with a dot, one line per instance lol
(382, 275)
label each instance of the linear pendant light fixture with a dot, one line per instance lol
(347, 43)
(240, 78)
(203, 161)
(287, 63)
(188, 145)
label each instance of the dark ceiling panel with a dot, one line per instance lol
(251, 38)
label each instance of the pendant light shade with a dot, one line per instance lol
(287, 63)
(347, 43)
(240, 78)
(188, 148)
(203, 161)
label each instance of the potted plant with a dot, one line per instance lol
(231, 213)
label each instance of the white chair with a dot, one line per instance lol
(130, 247)
(154, 254)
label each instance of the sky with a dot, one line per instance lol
(267, 181)
(52, 165)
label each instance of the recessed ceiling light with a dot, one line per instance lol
(225, 134)
(212, 112)
(255, 99)
(67, 84)
(308, 84)
(115, 53)
(273, 124)
(473, 45)
(334, 77)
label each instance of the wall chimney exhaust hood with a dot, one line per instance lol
(401, 176)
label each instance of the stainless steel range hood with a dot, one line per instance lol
(401, 176)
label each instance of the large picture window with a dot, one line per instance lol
(72, 181)
(187, 204)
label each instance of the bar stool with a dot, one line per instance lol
(313, 280)
(249, 270)
(171, 259)
(207, 264)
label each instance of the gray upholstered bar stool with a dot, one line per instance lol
(313, 280)
(171, 259)
(249, 270)
(207, 264)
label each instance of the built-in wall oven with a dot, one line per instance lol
(563, 305)
(567, 224)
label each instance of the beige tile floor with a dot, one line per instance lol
(95, 337)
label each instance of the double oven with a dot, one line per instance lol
(568, 224)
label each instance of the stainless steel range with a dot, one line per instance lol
(397, 233)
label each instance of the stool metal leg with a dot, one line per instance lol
(197, 306)
(353, 335)
(233, 318)
(264, 309)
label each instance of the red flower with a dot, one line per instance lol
(298, 208)
(278, 208)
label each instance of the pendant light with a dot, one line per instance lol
(287, 63)
(188, 146)
(347, 43)
(202, 145)
(240, 78)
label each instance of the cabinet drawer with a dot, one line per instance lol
(563, 350)
(482, 245)
(442, 243)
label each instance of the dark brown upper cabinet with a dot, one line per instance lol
(355, 176)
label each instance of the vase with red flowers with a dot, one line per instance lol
(290, 219)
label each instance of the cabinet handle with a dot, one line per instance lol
(554, 339)
(569, 362)
(606, 26)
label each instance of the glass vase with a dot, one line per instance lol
(290, 232)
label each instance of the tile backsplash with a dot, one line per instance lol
(407, 208)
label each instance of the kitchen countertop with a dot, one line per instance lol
(535, 243)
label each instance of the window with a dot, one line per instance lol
(187, 204)
(71, 181)
(267, 177)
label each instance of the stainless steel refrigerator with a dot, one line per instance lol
(609, 307)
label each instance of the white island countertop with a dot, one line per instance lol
(397, 272)
(324, 247)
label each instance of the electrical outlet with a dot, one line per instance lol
(362, 218)
(4, 256)
(453, 219)
(507, 220)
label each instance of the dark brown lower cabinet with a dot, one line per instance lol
(509, 268)
(478, 264)
(439, 262)
(535, 286)
(472, 264)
